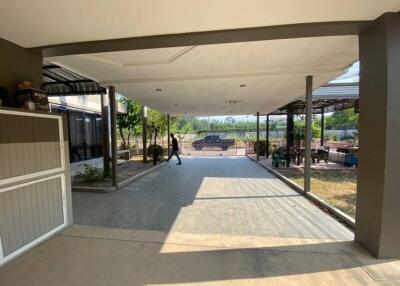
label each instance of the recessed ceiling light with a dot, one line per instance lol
(232, 101)
(158, 89)
(242, 85)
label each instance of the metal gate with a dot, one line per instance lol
(33, 180)
(207, 145)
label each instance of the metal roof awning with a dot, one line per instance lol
(59, 81)
(330, 98)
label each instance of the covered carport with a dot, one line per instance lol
(209, 58)
(211, 220)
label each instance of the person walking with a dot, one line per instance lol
(175, 149)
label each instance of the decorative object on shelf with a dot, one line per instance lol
(31, 98)
(24, 84)
(3, 94)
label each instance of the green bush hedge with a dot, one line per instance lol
(159, 152)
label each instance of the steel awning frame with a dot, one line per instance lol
(328, 98)
(59, 81)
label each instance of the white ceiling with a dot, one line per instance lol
(45, 22)
(202, 80)
(205, 80)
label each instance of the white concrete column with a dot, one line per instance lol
(308, 135)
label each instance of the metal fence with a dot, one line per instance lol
(237, 149)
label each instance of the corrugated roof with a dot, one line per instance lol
(331, 97)
(58, 81)
(337, 91)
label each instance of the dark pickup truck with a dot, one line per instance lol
(213, 141)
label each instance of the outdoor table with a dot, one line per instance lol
(301, 154)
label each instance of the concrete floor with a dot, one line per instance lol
(209, 195)
(211, 221)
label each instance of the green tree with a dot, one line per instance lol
(229, 122)
(299, 129)
(160, 120)
(187, 127)
(183, 124)
(343, 119)
(128, 123)
(200, 124)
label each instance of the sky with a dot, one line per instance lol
(350, 75)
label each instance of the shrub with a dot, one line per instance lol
(347, 137)
(90, 173)
(261, 150)
(159, 151)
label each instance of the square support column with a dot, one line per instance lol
(378, 189)
(322, 126)
(267, 137)
(113, 133)
(289, 133)
(168, 135)
(308, 135)
(144, 132)
(106, 134)
(258, 137)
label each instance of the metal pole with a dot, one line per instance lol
(322, 125)
(144, 133)
(168, 133)
(308, 134)
(155, 146)
(236, 147)
(258, 137)
(113, 115)
(267, 137)
(289, 133)
(106, 135)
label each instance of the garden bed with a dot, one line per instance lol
(125, 171)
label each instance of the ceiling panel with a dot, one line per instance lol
(205, 80)
(200, 79)
(46, 22)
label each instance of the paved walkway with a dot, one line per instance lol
(209, 195)
(211, 221)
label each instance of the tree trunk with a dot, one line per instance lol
(121, 133)
(128, 145)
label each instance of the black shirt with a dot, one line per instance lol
(175, 144)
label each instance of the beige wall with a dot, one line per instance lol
(16, 65)
(28, 146)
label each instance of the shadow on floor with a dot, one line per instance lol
(79, 260)
(217, 196)
(209, 195)
(209, 220)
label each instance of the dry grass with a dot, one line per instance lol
(337, 187)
